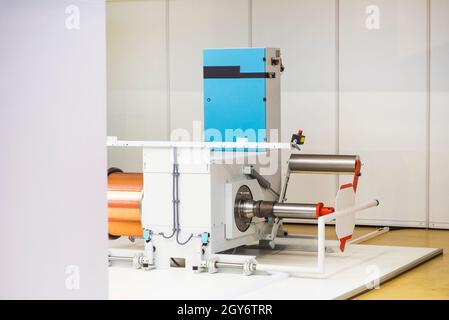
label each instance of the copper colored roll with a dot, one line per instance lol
(124, 203)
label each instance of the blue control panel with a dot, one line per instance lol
(235, 94)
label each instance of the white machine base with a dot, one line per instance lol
(361, 267)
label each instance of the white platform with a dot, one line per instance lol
(346, 276)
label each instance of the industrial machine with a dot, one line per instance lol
(197, 201)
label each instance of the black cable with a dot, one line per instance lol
(175, 262)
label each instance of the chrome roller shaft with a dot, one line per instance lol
(320, 163)
(262, 209)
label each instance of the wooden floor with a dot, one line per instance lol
(427, 281)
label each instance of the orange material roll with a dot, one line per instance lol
(124, 203)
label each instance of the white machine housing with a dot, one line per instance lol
(207, 189)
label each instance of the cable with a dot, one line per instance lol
(274, 192)
(264, 183)
(168, 237)
(175, 262)
(174, 216)
(185, 242)
(175, 200)
(174, 213)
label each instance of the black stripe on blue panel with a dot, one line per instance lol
(232, 72)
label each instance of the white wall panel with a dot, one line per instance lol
(305, 32)
(137, 81)
(195, 25)
(53, 220)
(384, 106)
(439, 115)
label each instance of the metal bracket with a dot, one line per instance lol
(274, 232)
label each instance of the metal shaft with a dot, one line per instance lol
(294, 210)
(320, 163)
(120, 258)
(230, 265)
(251, 208)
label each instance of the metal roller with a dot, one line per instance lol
(294, 210)
(246, 209)
(320, 163)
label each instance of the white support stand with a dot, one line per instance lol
(319, 269)
(370, 235)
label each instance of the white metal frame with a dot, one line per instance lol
(370, 235)
(319, 269)
(114, 142)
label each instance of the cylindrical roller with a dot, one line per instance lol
(320, 163)
(119, 258)
(247, 209)
(231, 265)
(124, 203)
(294, 210)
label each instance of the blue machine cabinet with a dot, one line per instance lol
(241, 93)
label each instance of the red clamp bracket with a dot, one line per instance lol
(355, 180)
(343, 242)
(321, 210)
